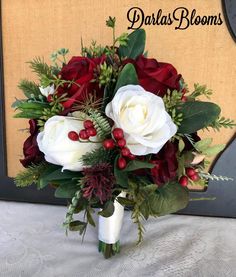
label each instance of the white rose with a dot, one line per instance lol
(49, 90)
(143, 118)
(58, 148)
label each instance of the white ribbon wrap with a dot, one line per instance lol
(109, 227)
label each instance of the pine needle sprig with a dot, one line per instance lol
(41, 68)
(30, 89)
(212, 177)
(98, 156)
(30, 175)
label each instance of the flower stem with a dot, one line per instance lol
(109, 250)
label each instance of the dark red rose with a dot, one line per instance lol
(155, 76)
(166, 164)
(81, 71)
(30, 149)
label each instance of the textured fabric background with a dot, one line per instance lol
(33, 244)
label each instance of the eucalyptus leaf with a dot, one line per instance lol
(77, 225)
(135, 45)
(213, 150)
(168, 199)
(66, 191)
(125, 201)
(203, 144)
(134, 165)
(128, 76)
(90, 219)
(197, 115)
(108, 209)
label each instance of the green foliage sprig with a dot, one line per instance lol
(209, 176)
(101, 124)
(30, 89)
(30, 175)
(200, 90)
(222, 122)
(98, 156)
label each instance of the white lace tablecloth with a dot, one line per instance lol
(33, 244)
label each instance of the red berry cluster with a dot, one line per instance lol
(191, 174)
(86, 133)
(119, 141)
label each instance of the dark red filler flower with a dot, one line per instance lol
(154, 76)
(32, 154)
(166, 164)
(98, 182)
(81, 71)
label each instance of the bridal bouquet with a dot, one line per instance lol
(112, 128)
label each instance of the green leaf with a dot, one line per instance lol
(120, 175)
(214, 150)
(90, 219)
(197, 115)
(108, 209)
(144, 209)
(134, 165)
(168, 199)
(128, 76)
(43, 181)
(125, 202)
(135, 45)
(66, 191)
(66, 174)
(77, 225)
(181, 145)
(24, 105)
(203, 144)
(149, 188)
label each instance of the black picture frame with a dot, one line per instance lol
(229, 10)
(224, 205)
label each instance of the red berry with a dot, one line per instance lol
(83, 134)
(121, 143)
(190, 171)
(131, 156)
(91, 132)
(109, 143)
(121, 163)
(88, 124)
(118, 133)
(72, 135)
(125, 152)
(183, 181)
(194, 177)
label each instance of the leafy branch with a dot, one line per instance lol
(201, 90)
(30, 175)
(222, 122)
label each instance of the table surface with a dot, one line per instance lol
(33, 244)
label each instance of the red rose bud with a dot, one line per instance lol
(121, 143)
(131, 156)
(194, 177)
(73, 136)
(83, 135)
(125, 152)
(190, 171)
(121, 163)
(183, 181)
(184, 98)
(49, 98)
(88, 124)
(91, 132)
(108, 144)
(118, 133)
